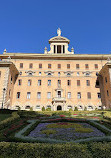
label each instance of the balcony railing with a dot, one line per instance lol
(58, 99)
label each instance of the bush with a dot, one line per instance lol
(8, 121)
(31, 150)
(23, 113)
(107, 115)
(48, 109)
(76, 109)
(43, 108)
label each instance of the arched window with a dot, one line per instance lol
(38, 107)
(27, 107)
(69, 107)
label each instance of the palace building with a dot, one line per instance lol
(58, 79)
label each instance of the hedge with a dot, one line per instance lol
(107, 115)
(43, 150)
(9, 120)
(31, 150)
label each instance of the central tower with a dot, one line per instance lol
(59, 45)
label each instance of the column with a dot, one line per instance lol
(61, 49)
(56, 49)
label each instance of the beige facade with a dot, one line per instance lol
(58, 79)
(104, 78)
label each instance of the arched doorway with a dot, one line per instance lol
(59, 107)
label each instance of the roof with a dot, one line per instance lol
(59, 39)
(55, 56)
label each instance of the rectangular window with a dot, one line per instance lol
(87, 82)
(40, 66)
(106, 79)
(39, 82)
(19, 82)
(86, 66)
(79, 95)
(107, 93)
(59, 66)
(49, 66)
(59, 83)
(58, 48)
(49, 82)
(38, 95)
(18, 95)
(54, 49)
(96, 66)
(77, 66)
(40, 73)
(30, 65)
(99, 95)
(63, 49)
(69, 95)
(21, 65)
(28, 95)
(29, 82)
(48, 95)
(78, 82)
(68, 66)
(68, 82)
(89, 95)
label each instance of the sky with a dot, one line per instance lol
(27, 25)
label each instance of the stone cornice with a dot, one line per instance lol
(55, 56)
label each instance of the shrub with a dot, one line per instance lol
(9, 120)
(43, 108)
(76, 109)
(48, 109)
(107, 115)
(31, 108)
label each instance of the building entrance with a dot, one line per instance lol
(59, 107)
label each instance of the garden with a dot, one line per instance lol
(37, 134)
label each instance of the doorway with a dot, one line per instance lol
(59, 107)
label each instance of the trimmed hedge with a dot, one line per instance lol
(107, 115)
(8, 121)
(31, 150)
(43, 150)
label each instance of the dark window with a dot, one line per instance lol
(21, 65)
(49, 82)
(59, 66)
(49, 66)
(106, 79)
(88, 82)
(0, 73)
(99, 95)
(63, 49)
(77, 66)
(18, 95)
(89, 95)
(68, 66)
(40, 66)
(78, 82)
(59, 49)
(97, 82)
(29, 82)
(86, 66)
(96, 66)
(30, 65)
(19, 82)
(68, 82)
(107, 93)
(54, 49)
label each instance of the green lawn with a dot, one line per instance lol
(4, 116)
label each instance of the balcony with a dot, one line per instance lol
(58, 99)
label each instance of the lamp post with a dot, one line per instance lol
(3, 96)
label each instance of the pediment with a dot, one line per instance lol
(59, 39)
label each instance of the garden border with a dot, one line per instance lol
(48, 140)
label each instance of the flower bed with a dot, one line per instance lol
(65, 131)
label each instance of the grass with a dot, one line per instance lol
(4, 116)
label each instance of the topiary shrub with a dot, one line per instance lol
(43, 108)
(31, 108)
(85, 109)
(48, 109)
(76, 109)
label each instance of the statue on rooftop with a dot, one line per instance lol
(59, 32)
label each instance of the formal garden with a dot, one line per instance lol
(48, 134)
